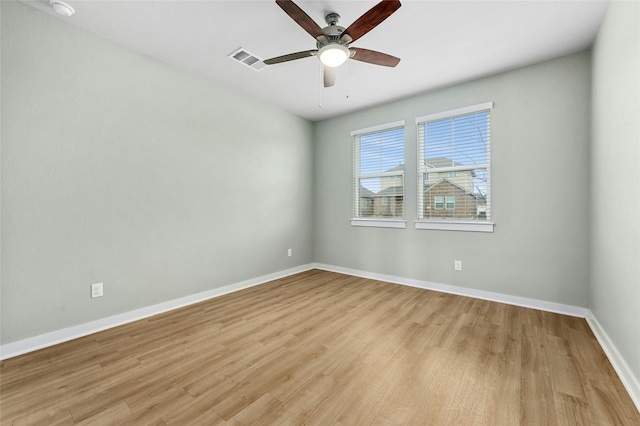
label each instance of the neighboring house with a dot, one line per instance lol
(366, 202)
(451, 194)
(463, 179)
(388, 202)
(447, 195)
(389, 181)
(448, 200)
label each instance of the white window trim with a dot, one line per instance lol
(436, 224)
(459, 111)
(380, 223)
(400, 223)
(455, 226)
(379, 128)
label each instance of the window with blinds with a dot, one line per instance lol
(378, 176)
(454, 169)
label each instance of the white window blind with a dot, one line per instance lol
(378, 174)
(454, 169)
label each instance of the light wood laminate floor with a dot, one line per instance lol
(325, 349)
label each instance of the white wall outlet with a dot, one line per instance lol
(290, 252)
(96, 290)
(457, 265)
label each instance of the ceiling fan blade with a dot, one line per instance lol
(371, 19)
(290, 57)
(373, 57)
(299, 15)
(329, 76)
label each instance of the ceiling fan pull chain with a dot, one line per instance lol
(321, 86)
(346, 77)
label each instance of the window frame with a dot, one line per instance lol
(380, 222)
(452, 224)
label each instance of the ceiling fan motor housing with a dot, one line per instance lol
(333, 33)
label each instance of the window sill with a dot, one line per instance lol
(455, 226)
(380, 223)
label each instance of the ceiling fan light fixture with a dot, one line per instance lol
(333, 55)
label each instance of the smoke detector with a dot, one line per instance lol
(62, 8)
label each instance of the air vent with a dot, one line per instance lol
(248, 59)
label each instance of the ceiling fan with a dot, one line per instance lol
(333, 42)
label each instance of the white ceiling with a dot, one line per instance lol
(440, 43)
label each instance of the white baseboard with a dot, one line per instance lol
(627, 378)
(31, 344)
(574, 311)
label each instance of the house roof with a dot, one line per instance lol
(392, 191)
(398, 168)
(365, 193)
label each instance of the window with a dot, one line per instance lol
(454, 169)
(439, 202)
(451, 202)
(378, 176)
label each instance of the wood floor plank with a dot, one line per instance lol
(115, 414)
(322, 348)
(536, 399)
(52, 417)
(198, 412)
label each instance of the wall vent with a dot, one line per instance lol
(248, 59)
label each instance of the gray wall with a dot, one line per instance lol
(540, 142)
(119, 169)
(615, 180)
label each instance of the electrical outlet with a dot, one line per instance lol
(96, 290)
(290, 252)
(457, 265)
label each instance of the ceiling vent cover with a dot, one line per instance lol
(248, 59)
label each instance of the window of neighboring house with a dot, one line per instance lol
(454, 162)
(378, 174)
(451, 202)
